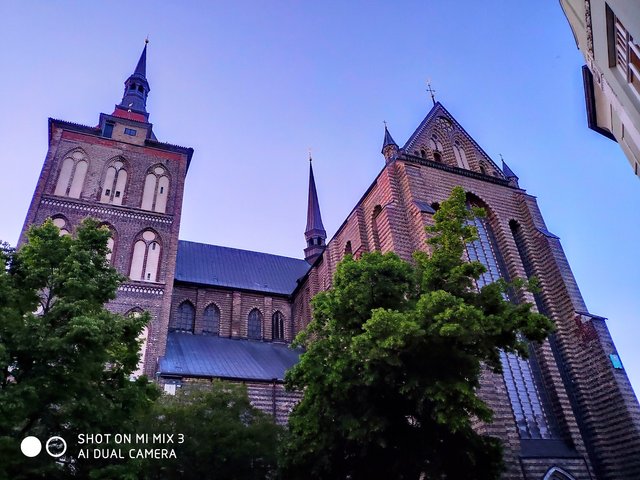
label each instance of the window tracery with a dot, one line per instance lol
(156, 190)
(115, 182)
(146, 257)
(72, 174)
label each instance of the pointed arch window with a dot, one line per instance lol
(211, 320)
(348, 249)
(375, 225)
(142, 339)
(115, 182)
(522, 389)
(254, 324)
(72, 174)
(146, 258)
(277, 325)
(436, 148)
(110, 241)
(184, 318)
(156, 190)
(556, 473)
(461, 157)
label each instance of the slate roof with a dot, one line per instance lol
(314, 219)
(388, 139)
(240, 269)
(209, 356)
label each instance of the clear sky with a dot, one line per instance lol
(252, 85)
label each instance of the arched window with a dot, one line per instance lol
(375, 226)
(211, 320)
(348, 249)
(522, 388)
(436, 148)
(254, 324)
(184, 317)
(461, 157)
(556, 473)
(115, 181)
(62, 224)
(110, 241)
(483, 168)
(277, 326)
(142, 339)
(423, 154)
(156, 190)
(145, 258)
(72, 174)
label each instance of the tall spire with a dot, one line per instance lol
(136, 89)
(389, 146)
(314, 233)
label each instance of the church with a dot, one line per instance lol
(566, 412)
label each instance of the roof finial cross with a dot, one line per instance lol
(431, 91)
(146, 40)
(310, 159)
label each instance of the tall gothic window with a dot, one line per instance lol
(184, 317)
(518, 376)
(72, 174)
(211, 320)
(142, 338)
(461, 157)
(254, 324)
(146, 257)
(277, 326)
(375, 226)
(115, 181)
(156, 190)
(436, 148)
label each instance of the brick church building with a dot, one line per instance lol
(568, 412)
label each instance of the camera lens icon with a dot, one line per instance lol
(56, 447)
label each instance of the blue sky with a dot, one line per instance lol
(253, 85)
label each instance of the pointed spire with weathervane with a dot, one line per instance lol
(136, 89)
(390, 148)
(314, 233)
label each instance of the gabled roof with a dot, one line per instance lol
(234, 268)
(209, 356)
(438, 110)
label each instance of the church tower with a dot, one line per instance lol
(119, 173)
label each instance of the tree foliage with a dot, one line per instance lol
(65, 361)
(393, 360)
(225, 437)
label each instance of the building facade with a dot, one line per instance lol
(567, 412)
(607, 32)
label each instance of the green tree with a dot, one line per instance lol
(393, 359)
(224, 436)
(65, 361)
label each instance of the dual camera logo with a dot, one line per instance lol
(55, 446)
